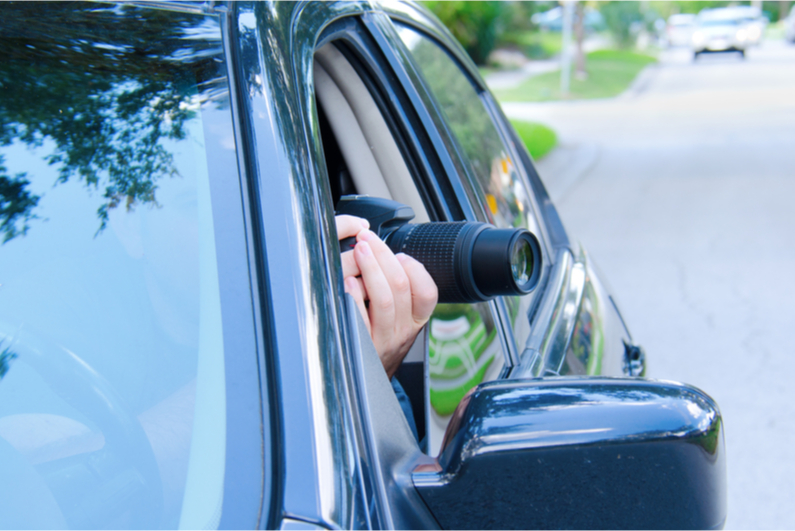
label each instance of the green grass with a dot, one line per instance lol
(610, 72)
(538, 138)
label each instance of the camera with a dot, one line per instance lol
(468, 261)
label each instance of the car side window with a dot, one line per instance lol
(496, 186)
(112, 388)
(464, 348)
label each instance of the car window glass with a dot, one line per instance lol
(112, 397)
(497, 187)
(464, 349)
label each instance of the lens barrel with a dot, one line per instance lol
(470, 261)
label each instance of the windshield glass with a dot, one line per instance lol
(719, 22)
(110, 323)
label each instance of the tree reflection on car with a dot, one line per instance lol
(105, 104)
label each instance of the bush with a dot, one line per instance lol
(538, 138)
(475, 24)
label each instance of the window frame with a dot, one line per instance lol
(411, 121)
(250, 461)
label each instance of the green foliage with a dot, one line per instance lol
(610, 72)
(694, 6)
(105, 84)
(462, 107)
(518, 14)
(475, 25)
(538, 138)
(776, 10)
(619, 17)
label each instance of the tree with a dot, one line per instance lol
(620, 18)
(106, 84)
(476, 25)
(580, 71)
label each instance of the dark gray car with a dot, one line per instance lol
(176, 347)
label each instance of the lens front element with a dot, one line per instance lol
(522, 261)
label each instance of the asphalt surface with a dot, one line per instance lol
(682, 191)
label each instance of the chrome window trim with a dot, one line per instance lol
(554, 321)
(316, 451)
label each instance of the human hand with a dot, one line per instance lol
(400, 293)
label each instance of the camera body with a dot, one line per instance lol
(468, 261)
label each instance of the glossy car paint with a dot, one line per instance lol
(583, 446)
(316, 455)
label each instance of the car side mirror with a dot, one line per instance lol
(580, 453)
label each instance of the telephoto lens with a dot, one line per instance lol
(468, 261)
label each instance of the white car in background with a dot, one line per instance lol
(753, 20)
(720, 30)
(679, 29)
(789, 25)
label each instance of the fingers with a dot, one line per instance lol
(401, 293)
(349, 266)
(424, 294)
(398, 292)
(348, 226)
(382, 303)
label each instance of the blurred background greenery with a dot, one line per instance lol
(482, 27)
(612, 42)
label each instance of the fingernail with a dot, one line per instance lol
(364, 248)
(365, 223)
(366, 235)
(402, 257)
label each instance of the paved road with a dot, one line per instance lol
(683, 192)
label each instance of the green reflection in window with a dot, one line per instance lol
(462, 350)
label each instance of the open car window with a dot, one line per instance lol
(363, 157)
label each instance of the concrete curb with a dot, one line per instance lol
(565, 166)
(641, 82)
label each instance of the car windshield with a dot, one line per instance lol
(708, 22)
(110, 331)
(681, 20)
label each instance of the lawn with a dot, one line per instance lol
(538, 138)
(610, 72)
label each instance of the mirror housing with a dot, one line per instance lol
(580, 453)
